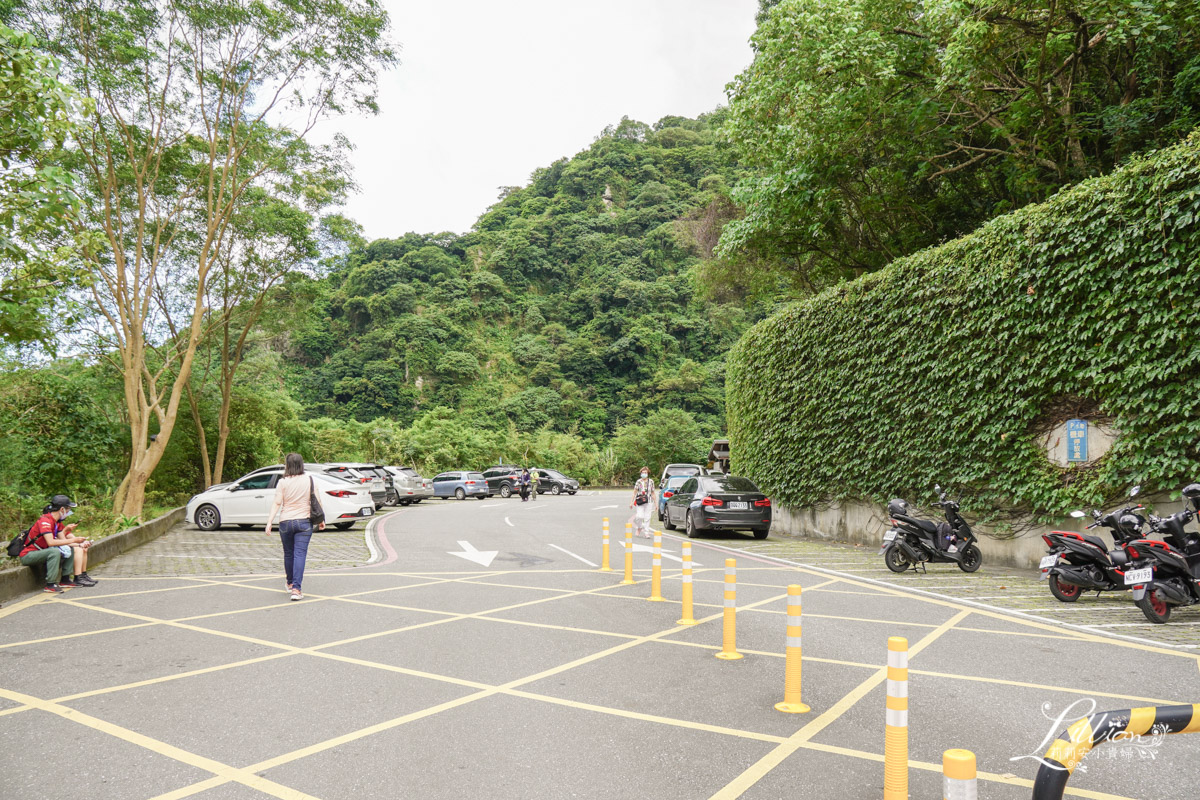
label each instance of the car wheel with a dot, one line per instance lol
(208, 518)
(405, 502)
(343, 526)
(689, 526)
(556, 490)
(761, 533)
(666, 521)
(505, 491)
(460, 494)
(392, 498)
(571, 493)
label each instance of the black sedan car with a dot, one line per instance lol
(719, 503)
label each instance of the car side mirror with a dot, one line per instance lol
(1077, 514)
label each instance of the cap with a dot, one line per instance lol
(61, 501)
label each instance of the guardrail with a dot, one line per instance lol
(1073, 744)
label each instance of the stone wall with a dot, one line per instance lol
(864, 523)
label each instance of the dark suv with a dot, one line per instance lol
(555, 482)
(503, 479)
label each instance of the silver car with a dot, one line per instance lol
(410, 486)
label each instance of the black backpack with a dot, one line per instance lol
(18, 543)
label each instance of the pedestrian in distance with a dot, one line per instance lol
(50, 543)
(534, 478)
(643, 500)
(523, 481)
(296, 502)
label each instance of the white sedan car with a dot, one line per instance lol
(247, 501)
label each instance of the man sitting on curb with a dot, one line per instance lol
(49, 542)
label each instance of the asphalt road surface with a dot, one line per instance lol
(481, 653)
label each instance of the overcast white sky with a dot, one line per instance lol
(489, 91)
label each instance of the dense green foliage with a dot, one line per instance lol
(879, 127)
(945, 365)
(566, 330)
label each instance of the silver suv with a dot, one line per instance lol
(363, 474)
(410, 487)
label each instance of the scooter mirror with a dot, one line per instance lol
(1077, 514)
(1134, 491)
(937, 487)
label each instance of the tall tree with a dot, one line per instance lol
(38, 112)
(196, 105)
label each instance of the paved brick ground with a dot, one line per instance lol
(1002, 587)
(187, 550)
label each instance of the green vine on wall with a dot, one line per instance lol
(943, 366)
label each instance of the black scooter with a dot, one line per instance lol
(1078, 562)
(1167, 573)
(911, 541)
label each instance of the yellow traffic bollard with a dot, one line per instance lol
(729, 622)
(895, 735)
(688, 619)
(628, 553)
(604, 567)
(958, 770)
(656, 571)
(791, 679)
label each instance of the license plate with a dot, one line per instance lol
(366, 512)
(889, 536)
(1139, 576)
(1047, 562)
(736, 505)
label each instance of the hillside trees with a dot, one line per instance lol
(182, 132)
(879, 127)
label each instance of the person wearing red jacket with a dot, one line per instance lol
(51, 543)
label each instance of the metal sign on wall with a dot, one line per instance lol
(1077, 440)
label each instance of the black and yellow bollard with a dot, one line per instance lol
(895, 732)
(604, 567)
(791, 671)
(688, 618)
(729, 621)
(628, 553)
(656, 571)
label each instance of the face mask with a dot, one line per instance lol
(645, 474)
(68, 513)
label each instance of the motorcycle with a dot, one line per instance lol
(1077, 562)
(911, 541)
(1167, 572)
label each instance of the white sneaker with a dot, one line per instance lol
(297, 594)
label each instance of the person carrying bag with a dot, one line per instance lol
(300, 511)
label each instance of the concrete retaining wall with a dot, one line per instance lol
(864, 523)
(18, 580)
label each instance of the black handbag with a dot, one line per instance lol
(316, 514)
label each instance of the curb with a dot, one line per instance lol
(18, 580)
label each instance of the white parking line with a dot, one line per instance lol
(491, 505)
(597, 508)
(572, 555)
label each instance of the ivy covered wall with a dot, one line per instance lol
(947, 365)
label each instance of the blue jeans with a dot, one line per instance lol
(295, 533)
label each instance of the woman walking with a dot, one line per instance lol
(295, 526)
(643, 500)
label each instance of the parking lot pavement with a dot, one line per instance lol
(232, 550)
(1005, 588)
(483, 654)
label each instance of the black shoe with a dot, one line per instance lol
(68, 583)
(83, 579)
(53, 588)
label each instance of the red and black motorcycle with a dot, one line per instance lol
(1167, 572)
(1079, 562)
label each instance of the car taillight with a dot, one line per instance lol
(364, 480)
(764, 503)
(470, 483)
(339, 493)
(711, 501)
(668, 494)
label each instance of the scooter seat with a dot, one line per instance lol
(923, 524)
(1096, 540)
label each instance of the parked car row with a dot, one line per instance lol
(502, 479)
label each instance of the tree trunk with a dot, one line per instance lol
(202, 438)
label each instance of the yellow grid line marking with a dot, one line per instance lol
(755, 772)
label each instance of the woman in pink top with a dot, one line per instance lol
(292, 505)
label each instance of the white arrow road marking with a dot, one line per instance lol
(572, 555)
(509, 521)
(597, 508)
(645, 548)
(481, 557)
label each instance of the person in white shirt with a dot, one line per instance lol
(295, 528)
(643, 500)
